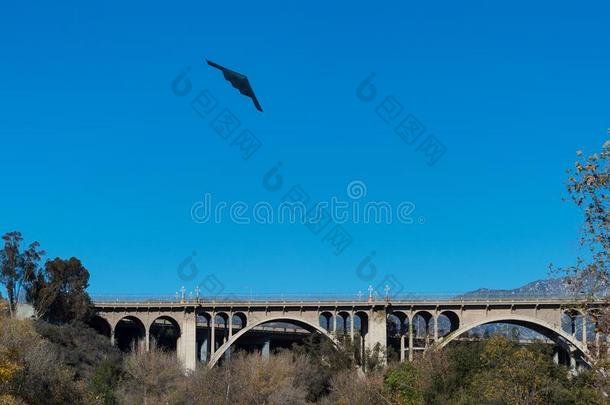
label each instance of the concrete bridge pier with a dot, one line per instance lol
(573, 364)
(376, 336)
(180, 352)
(213, 335)
(188, 341)
(351, 326)
(203, 348)
(266, 349)
(410, 341)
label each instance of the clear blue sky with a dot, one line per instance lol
(103, 162)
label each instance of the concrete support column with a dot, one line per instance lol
(597, 343)
(335, 323)
(436, 328)
(228, 352)
(410, 340)
(572, 361)
(203, 351)
(213, 335)
(377, 331)
(141, 343)
(112, 337)
(363, 343)
(188, 338)
(147, 343)
(351, 326)
(230, 325)
(180, 345)
(402, 348)
(584, 331)
(266, 349)
(426, 334)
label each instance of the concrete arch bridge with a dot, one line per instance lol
(203, 331)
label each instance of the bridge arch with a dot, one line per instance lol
(327, 319)
(101, 325)
(130, 333)
(300, 321)
(447, 320)
(422, 326)
(344, 320)
(363, 321)
(572, 320)
(222, 316)
(164, 333)
(397, 323)
(240, 319)
(542, 327)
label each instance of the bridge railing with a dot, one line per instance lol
(330, 297)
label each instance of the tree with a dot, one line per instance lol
(589, 188)
(58, 291)
(515, 374)
(325, 360)
(105, 380)
(403, 384)
(17, 268)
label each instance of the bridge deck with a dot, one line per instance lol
(407, 301)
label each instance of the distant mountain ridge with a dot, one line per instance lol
(552, 287)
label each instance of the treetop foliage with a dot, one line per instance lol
(57, 290)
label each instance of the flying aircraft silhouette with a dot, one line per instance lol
(239, 81)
